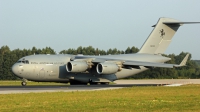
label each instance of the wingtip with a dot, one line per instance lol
(183, 62)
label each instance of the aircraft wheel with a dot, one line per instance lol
(23, 83)
(98, 83)
(95, 83)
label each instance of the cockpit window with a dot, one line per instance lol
(27, 62)
(24, 61)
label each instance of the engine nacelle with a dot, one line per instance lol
(107, 68)
(77, 66)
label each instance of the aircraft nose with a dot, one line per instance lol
(15, 69)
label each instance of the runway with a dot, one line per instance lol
(63, 88)
(119, 84)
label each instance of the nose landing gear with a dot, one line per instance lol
(24, 82)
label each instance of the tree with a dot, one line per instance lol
(128, 50)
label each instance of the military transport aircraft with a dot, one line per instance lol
(80, 69)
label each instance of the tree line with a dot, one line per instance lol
(9, 57)
(92, 51)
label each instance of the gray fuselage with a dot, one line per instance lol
(52, 68)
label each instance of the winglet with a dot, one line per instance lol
(183, 63)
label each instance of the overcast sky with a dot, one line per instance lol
(103, 24)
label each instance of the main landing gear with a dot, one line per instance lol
(74, 82)
(99, 83)
(24, 82)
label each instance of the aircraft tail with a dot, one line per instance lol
(161, 36)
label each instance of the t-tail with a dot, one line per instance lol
(161, 36)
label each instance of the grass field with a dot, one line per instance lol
(183, 98)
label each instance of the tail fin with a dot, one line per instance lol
(161, 36)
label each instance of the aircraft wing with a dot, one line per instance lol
(147, 64)
(111, 65)
(152, 64)
(133, 64)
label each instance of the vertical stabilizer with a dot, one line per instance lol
(161, 36)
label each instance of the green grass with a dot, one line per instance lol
(141, 99)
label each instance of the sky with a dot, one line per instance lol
(103, 24)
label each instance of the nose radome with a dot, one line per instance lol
(15, 69)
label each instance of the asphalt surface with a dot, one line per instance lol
(61, 88)
(119, 84)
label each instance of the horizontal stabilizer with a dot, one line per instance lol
(177, 23)
(180, 23)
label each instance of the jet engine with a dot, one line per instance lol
(77, 66)
(107, 68)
